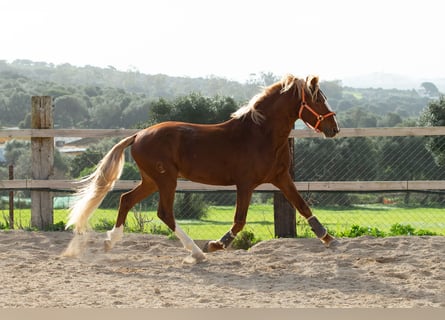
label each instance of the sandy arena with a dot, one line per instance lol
(148, 271)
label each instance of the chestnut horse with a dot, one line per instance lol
(248, 150)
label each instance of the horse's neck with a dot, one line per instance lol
(279, 118)
(279, 132)
(278, 125)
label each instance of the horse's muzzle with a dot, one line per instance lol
(330, 132)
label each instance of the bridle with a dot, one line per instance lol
(318, 116)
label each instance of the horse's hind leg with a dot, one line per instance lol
(127, 201)
(165, 213)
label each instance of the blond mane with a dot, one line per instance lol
(287, 83)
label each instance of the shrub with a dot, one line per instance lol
(407, 230)
(401, 230)
(357, 231)
(423, 232)
(245, 240)
(140, 220)
(59, 226)
(395, 230)
(4, 226)
(190, 206)
(104, 225)
(160, 229)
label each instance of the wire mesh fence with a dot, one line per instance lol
(208, 215)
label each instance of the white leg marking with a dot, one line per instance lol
(113, 236)
(197, 254)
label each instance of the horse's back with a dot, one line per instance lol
(197, 152)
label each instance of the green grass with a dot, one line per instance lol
(383, 217)
(260, 220)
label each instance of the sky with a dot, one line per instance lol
(231, 38)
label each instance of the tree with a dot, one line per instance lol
(335, 160)
(268, 78)
(263, 78)
(70, 111)
(391, 119)
(17, 106)
(14, 149)
(160, 111)
(89, 158)
(26, 123)
(136, 113)
(434, 115)
(61, 163)
(18, 153)
(84, 163)
(223, 108)
(190, 205)
(332, 89)
(430, 89)
(358, 117)
(193, 108)
(107, 115)
(405, 158)
(345, 104)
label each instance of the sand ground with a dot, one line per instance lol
(148, 271)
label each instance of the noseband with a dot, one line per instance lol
(318, 116)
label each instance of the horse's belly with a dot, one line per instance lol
(208, 176)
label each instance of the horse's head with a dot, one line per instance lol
(315, 111)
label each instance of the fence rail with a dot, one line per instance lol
(301, 133)
(308, 186)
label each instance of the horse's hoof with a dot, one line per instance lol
(194, 259)
(212, 246)
(107, 245)
(329, 241)
(333, 244)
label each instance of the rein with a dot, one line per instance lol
(318, 116)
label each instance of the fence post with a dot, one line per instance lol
(42, 162)
(284, 213)
(11, 199)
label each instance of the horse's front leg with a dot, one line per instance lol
(243, 197)
(287, 186)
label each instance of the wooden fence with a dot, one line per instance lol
(42, 141)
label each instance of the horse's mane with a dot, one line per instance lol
(287, 83)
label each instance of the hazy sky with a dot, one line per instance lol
(230, 38)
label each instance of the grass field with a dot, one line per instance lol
(260, 220)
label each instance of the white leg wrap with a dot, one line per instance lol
(113, 236)
(189, 244)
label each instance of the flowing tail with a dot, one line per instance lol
(97, 185)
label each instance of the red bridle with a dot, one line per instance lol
(318, 116)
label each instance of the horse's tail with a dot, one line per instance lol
(97, 185)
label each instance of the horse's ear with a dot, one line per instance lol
(313, 82)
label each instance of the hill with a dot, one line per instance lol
(390, 81)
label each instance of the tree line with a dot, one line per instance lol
(91, 97)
